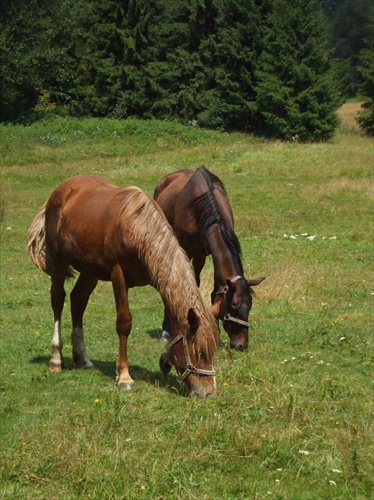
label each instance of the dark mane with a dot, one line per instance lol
(207, 212)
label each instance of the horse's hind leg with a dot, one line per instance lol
(79, 296)
(56, 363)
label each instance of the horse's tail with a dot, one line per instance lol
(36, 240)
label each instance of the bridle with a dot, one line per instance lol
(190, 367)
(226, 315)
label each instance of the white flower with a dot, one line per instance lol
(337, 471)
(292, 237)
(303, 452)
(311, 238)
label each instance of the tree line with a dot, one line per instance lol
(270, 67)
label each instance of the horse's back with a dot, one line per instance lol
(83, 215)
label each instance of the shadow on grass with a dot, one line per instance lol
(155, 334)
(108, 369)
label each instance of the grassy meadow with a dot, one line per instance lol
(293, 415)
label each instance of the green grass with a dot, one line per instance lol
(293, 416)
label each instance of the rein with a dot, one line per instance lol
(190, 367)
(227, 316)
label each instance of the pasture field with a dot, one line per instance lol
(293, 415)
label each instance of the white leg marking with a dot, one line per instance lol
(79, 350)
(56, 345)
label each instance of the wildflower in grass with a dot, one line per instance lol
(37, 334)
(304, 452)
(142, 487)
(225, 383)
(337, 471)
(96, 400)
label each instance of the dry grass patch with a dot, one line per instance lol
(348, 114)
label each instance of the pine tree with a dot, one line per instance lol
(366, 89)
(35, 57)
(229, 57)
(296, 94)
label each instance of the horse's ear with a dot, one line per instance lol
(255, 281)
(193, 322)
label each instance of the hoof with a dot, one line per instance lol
(165, 365)
(83, 366)
(55, 368)
(126, 386)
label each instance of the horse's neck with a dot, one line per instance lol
(223, 260)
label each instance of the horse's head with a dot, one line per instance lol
(192, 356)
(232, 303)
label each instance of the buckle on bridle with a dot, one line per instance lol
(228, 317)
(190, 367)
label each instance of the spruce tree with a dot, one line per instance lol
(35, 56)
(366, 89)
(229, 57)
(296, 93)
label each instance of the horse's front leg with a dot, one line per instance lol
(56, 363)
(198, 262)
(123, 325)
(79, 296)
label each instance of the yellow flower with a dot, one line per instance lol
(96, 401)
(142, 487)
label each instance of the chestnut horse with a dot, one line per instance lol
(197, 207)
(120, 235)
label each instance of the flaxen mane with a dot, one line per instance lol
(167, 263)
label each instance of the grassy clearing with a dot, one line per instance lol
(293, 414)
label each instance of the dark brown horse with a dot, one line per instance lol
(197, 207)
(120, 235)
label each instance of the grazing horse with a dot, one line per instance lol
(196, 205)
(119, 234)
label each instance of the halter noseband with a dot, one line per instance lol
(227, 316)
(190, 367)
